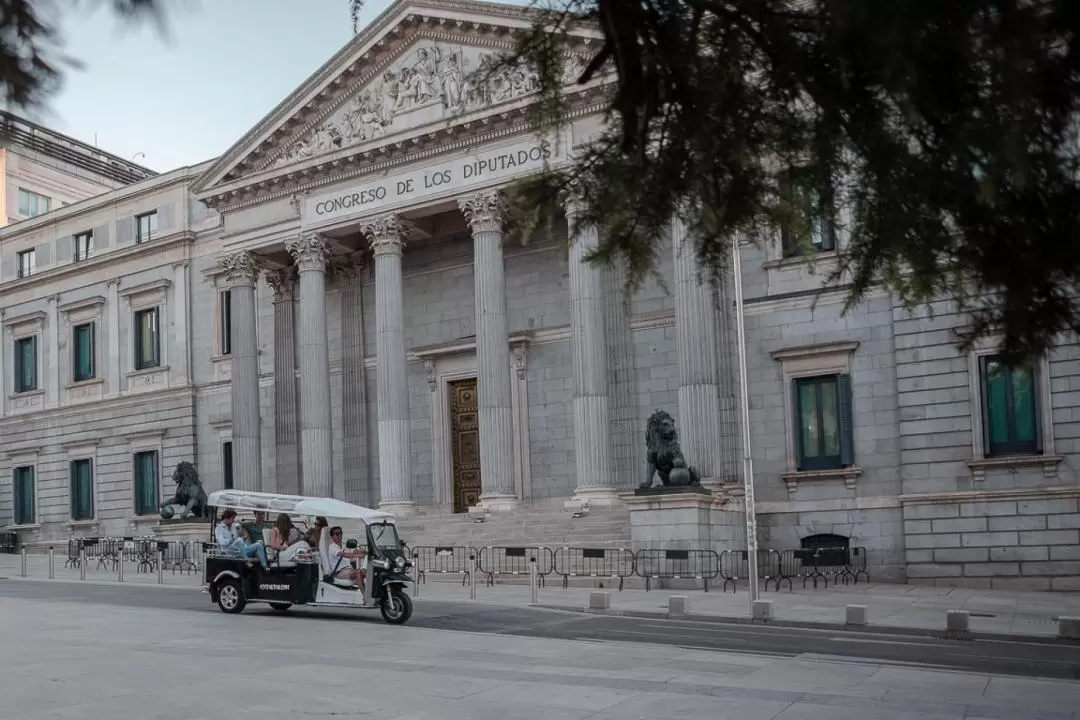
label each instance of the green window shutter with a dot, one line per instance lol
(796, 425)
(227, 466)
(73, 473)
(17, 357)
(82, 490)
(23, 487)
(845, 420)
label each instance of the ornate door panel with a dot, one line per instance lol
(464, 444)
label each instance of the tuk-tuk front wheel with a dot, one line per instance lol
(396, 606)
(230, 596)
(280, 607)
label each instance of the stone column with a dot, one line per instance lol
(698, 346)
(310, 251)
(588, 342)
(484, 213)
(241, 274)
(354, 382)
(387, 237)
(628, 455)
(288, 470)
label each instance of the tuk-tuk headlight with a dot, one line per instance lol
(400, 563)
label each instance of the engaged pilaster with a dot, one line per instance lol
(286, 403)
(310, 252)
(484, 214)
(387, 237)
(698, 346)
(241, 275)
(588, 340)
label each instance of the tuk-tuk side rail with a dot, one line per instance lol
(499, 560)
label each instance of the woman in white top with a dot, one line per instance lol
(286, 540)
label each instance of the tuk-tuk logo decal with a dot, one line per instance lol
(273, 587)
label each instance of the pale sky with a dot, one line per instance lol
(186, 99)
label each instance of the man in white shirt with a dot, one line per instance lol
(338, 558)
(231, 544)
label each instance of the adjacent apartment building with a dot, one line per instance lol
(330, 308)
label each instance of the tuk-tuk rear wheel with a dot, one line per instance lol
(230, 596)
(280, 607)
(396, 606)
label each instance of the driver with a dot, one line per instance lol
(338, 558)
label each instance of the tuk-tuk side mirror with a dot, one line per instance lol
(351, 544)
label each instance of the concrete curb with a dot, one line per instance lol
(941, 634)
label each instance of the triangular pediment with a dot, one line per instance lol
(421, 66)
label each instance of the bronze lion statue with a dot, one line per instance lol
(664, 457)
(189, 493)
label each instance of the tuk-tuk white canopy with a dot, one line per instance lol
(295, 505)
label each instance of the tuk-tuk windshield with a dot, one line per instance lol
(385, 538)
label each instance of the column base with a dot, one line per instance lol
(399, 508)
(600, 497)
(498, 502)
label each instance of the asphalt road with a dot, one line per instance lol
(984, 656)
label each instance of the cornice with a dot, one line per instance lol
(329, 170)
(358, 63)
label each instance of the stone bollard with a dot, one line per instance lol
(762, 610)
(956, 621)
(678, 605)
(52, 564)
(599, 600)
(855, 615)
(1069, 628)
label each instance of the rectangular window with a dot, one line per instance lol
(82, 353)
(23, 486)
(226, 323)
(27, 260)
(809, 225)
(146, 482)
(145, 227)
(84, 246)
(226, 465)
(824, 437)
(26, 364)
(82, 489)
(1010, 409)
(147, 339)
(31, 204)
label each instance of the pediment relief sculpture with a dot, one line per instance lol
(432, 82)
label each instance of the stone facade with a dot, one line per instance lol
(317, 299)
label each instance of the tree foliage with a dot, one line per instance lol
(31, 60)
(941, 137)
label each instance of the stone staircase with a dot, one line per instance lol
(547, 526)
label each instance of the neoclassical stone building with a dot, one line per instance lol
(332, 307)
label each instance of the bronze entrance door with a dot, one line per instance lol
(464, 444)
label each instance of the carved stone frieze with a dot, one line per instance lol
(431, 82)
(282, 282)
(310, 251)
(484, 211)
(432, 376)
(240, 268)
(521, 356)
(386, 233)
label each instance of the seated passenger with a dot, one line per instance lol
(231, 543)
(338, 559)
(286, 540)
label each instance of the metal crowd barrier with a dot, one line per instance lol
(571, 562)
(443, 560)
(842, 564)
(700, 565)
(497, 560)
(735, 566)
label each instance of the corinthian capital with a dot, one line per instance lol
(310, 252)
(386, 234)
(484, 211)
(282, 282)
(240, 268)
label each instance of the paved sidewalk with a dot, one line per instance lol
(909, 607)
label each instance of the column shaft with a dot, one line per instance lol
(240, 275)
(286, 407)
(494, 401)
(316, 435)
(354, 386)
(592, 404)
(697, 342)
(628, 457)
(387, 235)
